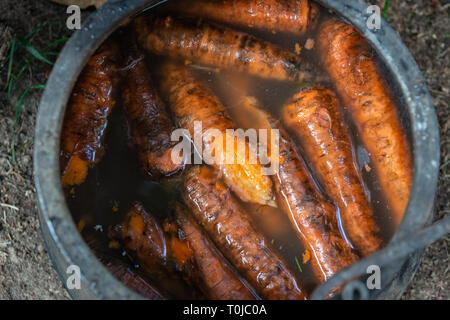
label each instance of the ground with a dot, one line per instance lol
(26, 271)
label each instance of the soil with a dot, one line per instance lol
(26, 271)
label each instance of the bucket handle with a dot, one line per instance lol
(392, 253)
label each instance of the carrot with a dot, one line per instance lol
(349, 60)
(289, 16)
(181, 252)
(149, 124)
(153, 249)
(218, 46)
(314, 117)
(230, 228)
(220, 281)
(143, 238)
(123, 272)
(313, 217)
(191, 101)
(87, 114)
(75, 171)
(132, 280)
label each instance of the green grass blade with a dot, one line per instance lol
(29, 59)
(40, 27)
(298, 264)
(16, 121)
(53, 53)
(23, 68)
(56, 42)
(10, 63)
(28, 62)
(31, 34)
(35, 30)
(34, 52)
(50, 53)
(28, 36)
(386, 9)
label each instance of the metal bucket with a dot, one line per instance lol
(398, 261)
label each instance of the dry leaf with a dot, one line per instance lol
(83, 4)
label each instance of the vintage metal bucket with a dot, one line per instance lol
(398, 261)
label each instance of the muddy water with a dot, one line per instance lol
(117, 181)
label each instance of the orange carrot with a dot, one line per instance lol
(143, 238)
(87, 114)
(349, 60)
(313, 217)
(218, 46)
(229, 227)
(314, 117)
(220, 281)
(123, 272)
(191, 101)
(290, 16)
(149, 123)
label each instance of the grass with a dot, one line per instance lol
(26, 38)
(16, 122)
(32, 54)
(298, 264)
(386, 9)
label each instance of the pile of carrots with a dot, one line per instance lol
(216, 248)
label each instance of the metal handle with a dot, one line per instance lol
(396, 251)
